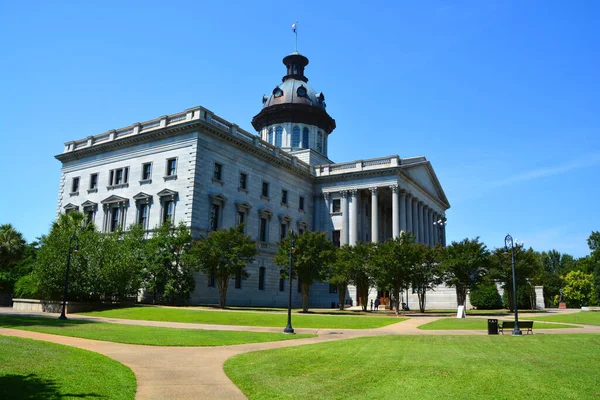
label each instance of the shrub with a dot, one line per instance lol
(485, 297)
(524, 298)
(27, 287)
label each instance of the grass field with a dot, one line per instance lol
(498, 312)
(582, 317)
(479, 324)
(245, 318)
(35, 370)
(133, 334)
(425, 367)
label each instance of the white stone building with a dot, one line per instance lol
(196, 167)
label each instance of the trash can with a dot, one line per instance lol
(492, 326)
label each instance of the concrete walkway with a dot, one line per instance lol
(197, 372)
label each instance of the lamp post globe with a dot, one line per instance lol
(508, 240)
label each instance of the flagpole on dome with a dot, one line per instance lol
(295, 30)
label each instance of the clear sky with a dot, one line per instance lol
(503, 97)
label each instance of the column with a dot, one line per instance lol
(444, 234)
(436, 231)
(353, 217)
(409, 215)
(395, 212)
(415, 218)
(431, 229)
(325, 216)
(316, 223)
(421, 222)
(374, 215)
(345, 218)
(403, 211)
(425, 224)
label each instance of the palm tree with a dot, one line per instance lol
(12, 244)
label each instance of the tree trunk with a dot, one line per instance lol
(421, 295)
(222, 284)
(396, 300)
(305, 290)
(461, 295)
(342, 295)
(363, 294)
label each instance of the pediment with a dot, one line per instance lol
(422, 173)
(167, 194)
(217, 197)
(114, 199)
(285, 218)
(142, 196)
(243, 205)
(265, 212)
(71, 207)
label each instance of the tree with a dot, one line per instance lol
(314, 255)
(594, 258)
(485, 296)
(579, 288)
(223, 254)
(427, 272)
(362, 270)
(465, 264)
(340, 272)
(12, 245)
(394, 261)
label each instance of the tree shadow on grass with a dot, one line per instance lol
(10, 321)
(32, 387)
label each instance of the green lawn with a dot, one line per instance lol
(35, 370)
(582, 317)
(479, 324)
(498, 312)
(133, 334)
(245, 318)
(425, 367)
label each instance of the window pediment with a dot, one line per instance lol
(71, 207)
(284, 218)
(265, 213)
(142, 198)
(114, 199)
(90, 204)
(217, 197)
(167, 194)
(243, 206)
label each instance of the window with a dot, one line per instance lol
(89, 215)
(305, 138)
(119, 176)
(300, 231)
(171, 167)
(335, 238)
(211, 280)
(271, 137)
(301, 91)
(265, 189)
(241, 217)
(336, 206)
(332, 288)
(320, 141)
(243, 181)
(278, 136)
(218, 172)
(238, 280)
(143, 215)
(261, 278)
(93, 181)
(114, 219)
(264, 226)
(75, 185)
(168, 210)
(301, 203)
(146, 171)
(296, 137)
(215, 214)
(281, 282)
(284, 230)
(284, 197)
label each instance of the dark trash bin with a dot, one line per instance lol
(492, 326)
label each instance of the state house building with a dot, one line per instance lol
(197, 167)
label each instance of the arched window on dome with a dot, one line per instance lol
(296, 137)
(320, 141)
(305, 138)
(278, 135)
(270, 136)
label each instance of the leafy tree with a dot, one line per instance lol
(394, 261)
(21, 270)
(223, 254)
(12, 245)
(485, 296)
(579, 288)
(465, 264)
(427, 273)
(594, 263)
(594, 241)
(362, 270)
(340, 272)
(314, 255)
(169, 272)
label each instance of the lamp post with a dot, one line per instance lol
(288, 329)
(75, 250)
(441, 223)
(509, 240)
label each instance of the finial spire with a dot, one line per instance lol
(295, 30)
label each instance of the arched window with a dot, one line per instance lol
(305, 138)
(320, 141)
(270, 140)
(296, 137)
(278, 135)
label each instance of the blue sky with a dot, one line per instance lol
(503, 97)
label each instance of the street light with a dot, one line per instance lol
(509, 240)
(75, 251)
(441, 223)
(288, 329)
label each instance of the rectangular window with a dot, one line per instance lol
(241, 217)
(89, 216)
(284, 229)
(336, 206)
(146, 171)
(243, 181)
(171, 167)
(261, 278)
(215, 214)
(301, 203)
(118, 176)
(75, 185)
(263, 230)
(284, 197)
(143, 215)
(265, 189)
(281, 281)
(238, 280)
(300, 231)
(93, 181)
(211, 280)
(332, 288)
(168, 209)
(218, 172)
(114, 219)
(335, 238)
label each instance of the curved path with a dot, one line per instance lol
(197, 372)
